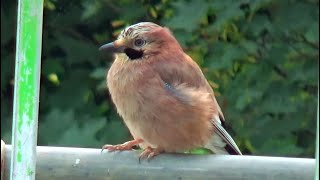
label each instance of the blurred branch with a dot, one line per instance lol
(313, 45)
(278, 70)
(110, 4)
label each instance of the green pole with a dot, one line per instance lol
(26, 89)
(316, 177)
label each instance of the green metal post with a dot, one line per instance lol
(26, 89)
(316, 177)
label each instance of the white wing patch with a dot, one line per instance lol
(216, 118)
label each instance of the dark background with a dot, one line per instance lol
(261, 58)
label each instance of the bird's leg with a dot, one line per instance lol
(122, 147)
(149, 153)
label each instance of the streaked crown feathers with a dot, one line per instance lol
(136, 29)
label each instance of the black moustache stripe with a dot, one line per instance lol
(133, 54)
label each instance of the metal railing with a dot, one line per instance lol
(91, 164)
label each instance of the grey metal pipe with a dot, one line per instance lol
(91, 164)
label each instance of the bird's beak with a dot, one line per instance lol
(117, 46)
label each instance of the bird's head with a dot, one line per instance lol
(141, 41)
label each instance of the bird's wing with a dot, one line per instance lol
(183, 70)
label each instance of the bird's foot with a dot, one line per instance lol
(122, 147)
(149, 153)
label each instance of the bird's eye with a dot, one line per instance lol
(139, 42)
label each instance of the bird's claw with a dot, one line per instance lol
(149, 153)
(121, 147)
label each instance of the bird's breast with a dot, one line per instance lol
(124, 82)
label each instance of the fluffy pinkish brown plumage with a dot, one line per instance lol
(162, 95)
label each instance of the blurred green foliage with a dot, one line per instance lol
(261, 57)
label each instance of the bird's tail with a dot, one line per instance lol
(221, 142)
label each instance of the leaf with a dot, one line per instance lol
(50, 128)
(250, 46)
(136, 11)
(248, 97)
(188, 15)
(7, 67)
(72, 90)
(77, 51)
(90, 9)
(99, 73)
(50, 66)
(7, 25)
(224, 55)
(289, 22)
(84, 136)
(312, 34)
(225, 13)
(285, 146)
(183, 37)
(259, 24)
(199, 151)
(115, 132)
